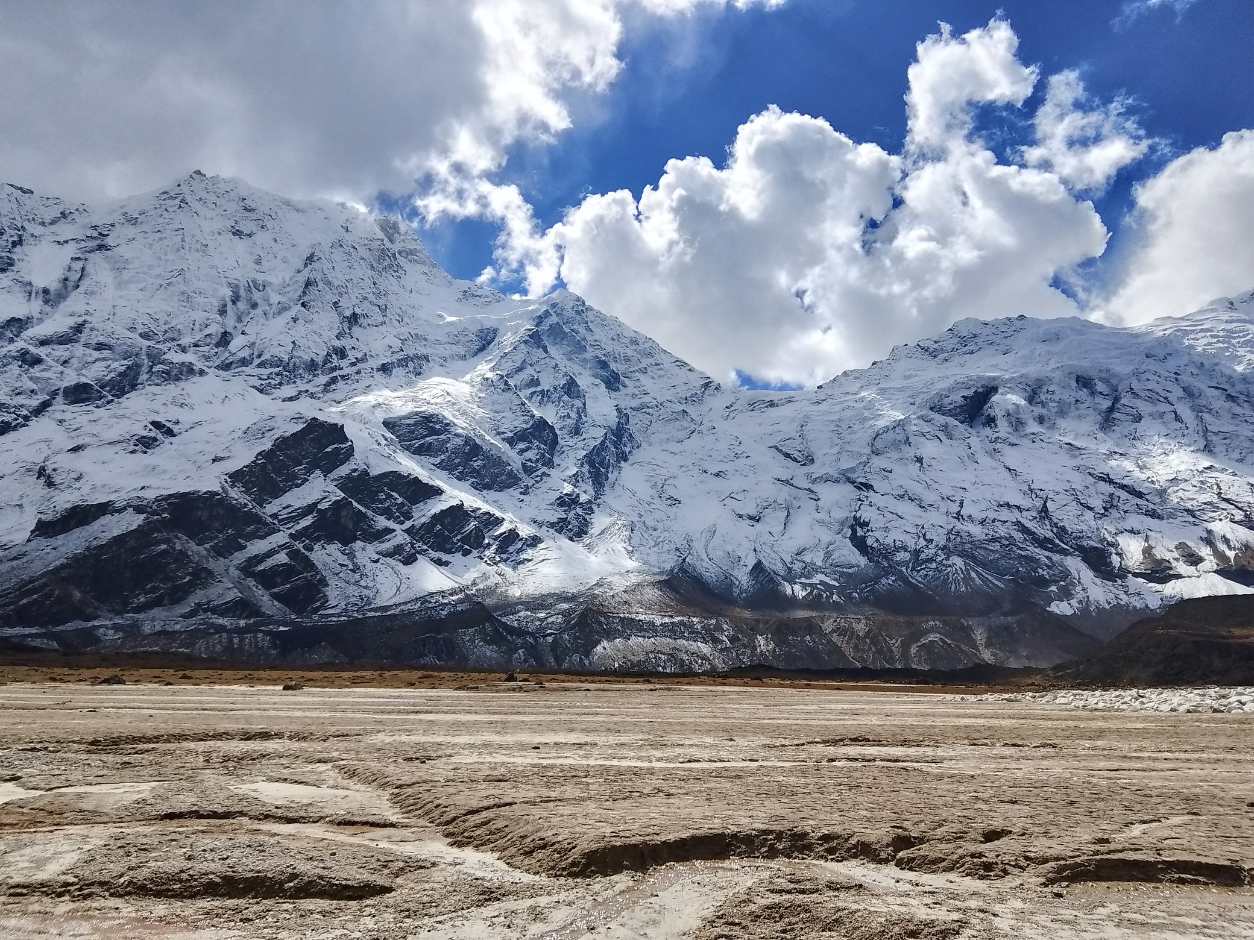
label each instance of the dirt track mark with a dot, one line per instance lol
(201, 737)
(855, 739)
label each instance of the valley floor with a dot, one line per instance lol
(569, 808)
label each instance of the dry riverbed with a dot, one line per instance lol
(569, 809)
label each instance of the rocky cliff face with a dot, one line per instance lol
(1202, 641)
(241, 426)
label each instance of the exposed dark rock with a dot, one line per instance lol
(233, 608)
(535, 444)
(317, 447)
(162, 428)
(73, 518)
(26, 356)
(213, 520)
(289, 576)
(413, 363)
(57, 293)
(340, 521)
(791, 451)
(436, 632)
(483, 338)
(968, 407)
(71, 334)
(459, 454)
(13, 327)
(662, 622)
(81, 393)
(391, 495)
(1203, 640)
(602, 462)
(140, 570)
(456, 530)
(573, 517)
(180, 547)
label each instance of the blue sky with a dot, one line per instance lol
(686, 87)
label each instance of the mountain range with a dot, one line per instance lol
(248, 428)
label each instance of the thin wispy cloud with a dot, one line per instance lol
(1135, 9)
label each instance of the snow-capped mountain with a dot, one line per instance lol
(238, 425)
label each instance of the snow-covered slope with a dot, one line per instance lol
(240, 425)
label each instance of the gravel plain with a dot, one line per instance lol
(562, 810)
(1230, 700)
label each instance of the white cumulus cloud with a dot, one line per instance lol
(950, 74)
(118, 96)
(806, 252)
(712, 261)
(1084, 142)
(1193, 234)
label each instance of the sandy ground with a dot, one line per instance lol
(572, 809)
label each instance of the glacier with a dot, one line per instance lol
(245, 427)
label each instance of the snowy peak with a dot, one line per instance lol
(226, 277)
(292, 417)
(1223, 329)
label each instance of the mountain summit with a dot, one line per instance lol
(242, 426)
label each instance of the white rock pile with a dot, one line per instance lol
(1208, 700)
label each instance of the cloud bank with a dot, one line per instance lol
(1193, 234)
(806, 253)
(109, 99)
(800, 253)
